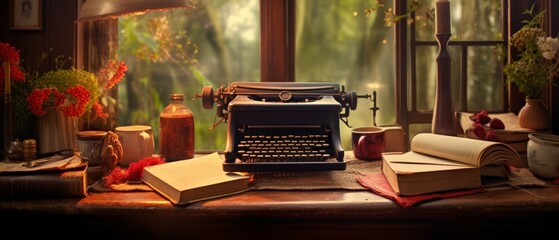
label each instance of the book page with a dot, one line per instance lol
(56, 162)
(414, 159)
(512, 132)
(465, 150)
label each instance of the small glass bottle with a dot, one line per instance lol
(176, 130)
(29, 149)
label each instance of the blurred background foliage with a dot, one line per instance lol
(180, 51)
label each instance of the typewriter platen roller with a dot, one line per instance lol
(282, 126)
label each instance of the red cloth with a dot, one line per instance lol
(378, 184)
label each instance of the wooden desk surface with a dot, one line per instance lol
(285, 214)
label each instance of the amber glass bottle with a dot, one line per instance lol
(176, 130)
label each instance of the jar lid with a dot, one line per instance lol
(83, 135)
(29, 142)
(176, 96)
(544, 138)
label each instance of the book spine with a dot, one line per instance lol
(44, 185)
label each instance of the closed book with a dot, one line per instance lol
(71, 183)
(191, 180)
(438, 163)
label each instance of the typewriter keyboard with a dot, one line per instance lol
(284, 144)
(279, 148)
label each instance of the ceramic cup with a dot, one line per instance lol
(368, 142)
(90, 144)
(543, 154)
(137, 143)
(394, 138)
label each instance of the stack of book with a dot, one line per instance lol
(513, 135)
(437, 163)
(51, 177)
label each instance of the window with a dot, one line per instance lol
(311, 40)
(219, 42)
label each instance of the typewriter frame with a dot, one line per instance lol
(244, 105)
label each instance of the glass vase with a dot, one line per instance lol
(534, 115)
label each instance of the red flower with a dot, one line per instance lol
(107, 77)
(73, 91)
(114, 68)
(10, 54)
(98, 110)
(76, 102)
(39, 99)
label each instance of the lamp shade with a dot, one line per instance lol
(101, 9)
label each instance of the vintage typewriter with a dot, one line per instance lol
(282, 126)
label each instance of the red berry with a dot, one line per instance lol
(479, 131)
(491, 136)
(496, 123)
(481, 117)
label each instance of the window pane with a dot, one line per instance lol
(485, 87)
(180, 51)
(470, 21)
(425, 77)
(337, 42)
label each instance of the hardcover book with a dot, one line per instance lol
(44, 184)
(191, 180)
(51, 177)
(439, 163)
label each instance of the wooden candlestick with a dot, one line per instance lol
(443, 117)
(7, 123)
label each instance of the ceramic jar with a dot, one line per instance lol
(90, 144)
(543, 154)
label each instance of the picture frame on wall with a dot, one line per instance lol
(26, 14)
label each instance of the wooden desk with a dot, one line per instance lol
(288, 215)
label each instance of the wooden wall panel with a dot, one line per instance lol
(57, 33)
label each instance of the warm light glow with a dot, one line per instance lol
(102, 9)
(374, 86)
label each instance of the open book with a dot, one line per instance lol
(439, 163)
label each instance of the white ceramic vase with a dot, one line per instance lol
(56, 132)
